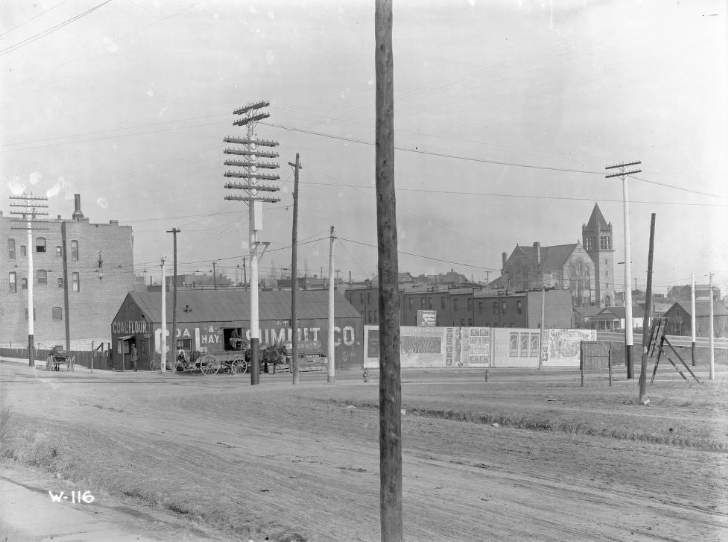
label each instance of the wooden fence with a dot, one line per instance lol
(83, 358)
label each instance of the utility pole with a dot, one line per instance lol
(543, 324)
(711, 331)
(174, 232)
(487, 276)
(628, 340)
(390, 383)
(646, 318)
(163, 334)
(331, 377)
(31, 206)
(692, 318)
(294, 273)
(250, 116)
(214, 274)
(245, 275)
(66, 301)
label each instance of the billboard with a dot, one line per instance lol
(426, 318)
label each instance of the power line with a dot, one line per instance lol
(34, 18)
(50, 30)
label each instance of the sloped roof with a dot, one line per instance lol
(587, 312)
(597, 221)
(552, 257)
(702, 308)
(227, 305)
(620, 312)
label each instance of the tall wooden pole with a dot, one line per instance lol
(390, 399)
(646, 318)
(163, 327)
(331, 351)
(294, 276)
(542, 333)
(711, 331)
(174, 232)
(692, 318)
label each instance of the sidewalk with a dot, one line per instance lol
(27, 513)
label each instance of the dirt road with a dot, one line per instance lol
(277, 461)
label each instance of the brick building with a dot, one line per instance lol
(76, 291)
(584, 268)
(469, 307)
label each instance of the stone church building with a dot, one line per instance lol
(585, 268)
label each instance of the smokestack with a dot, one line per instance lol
(537, 252)
(504, 257)
(77, 214)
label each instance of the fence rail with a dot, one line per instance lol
(83, 358)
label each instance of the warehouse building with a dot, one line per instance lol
(206, 319)
(81, 273)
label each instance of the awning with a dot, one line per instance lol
(125, 338)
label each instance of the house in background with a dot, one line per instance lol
(679, 319)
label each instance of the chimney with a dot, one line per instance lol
(77, 214)
(537, 252)
(504, 257)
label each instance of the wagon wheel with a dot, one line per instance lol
(209, 365)
(239, 366)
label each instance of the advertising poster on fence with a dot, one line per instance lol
(562, 346)
(419, 347)
(467, 347)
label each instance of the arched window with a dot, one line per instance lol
(607, 301)
(40, 244)
(13, 283)
(11, 249)
(42, 275)
(74, 250)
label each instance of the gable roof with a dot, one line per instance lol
(597, 221)
(621, 312)
(702, 308)
(553, 257)
(227, 305)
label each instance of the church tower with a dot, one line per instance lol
(597, 239)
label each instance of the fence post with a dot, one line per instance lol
(609, 362)
(581, 362)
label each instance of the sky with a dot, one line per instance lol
(506, 115)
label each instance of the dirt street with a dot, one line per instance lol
(524, 456)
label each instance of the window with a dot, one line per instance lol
(470, 303)
(411, 303)
(23, 251)
(519, 307)
(422, 302)
(23, 284)
(13, 283)
(455, 304)
(480, 307)
(429, 303)
(11, 249)
(369, 297)
(42, 277)
(74, 250)
(504, 306)
(40, 244)
(495, 308)
(57, 314)
(59, 252)
(26, 314)
(60, 282)
(462, 321)
(442, 302)
(470, 321)
(75, 282)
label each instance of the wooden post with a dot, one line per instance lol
(331, 351)
(609, 363)
(390, 399)
(711, 331)
(294, 276)
(646, 317)
(581, 362)
(692, 318)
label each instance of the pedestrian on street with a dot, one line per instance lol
(134, 358)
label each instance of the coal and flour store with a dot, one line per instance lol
(206, 320)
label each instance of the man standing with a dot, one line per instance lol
(134, 358)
